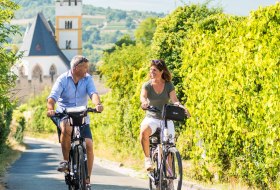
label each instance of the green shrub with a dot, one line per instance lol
(118, 125)
(18, 124)
(39, 121)
(231, 77)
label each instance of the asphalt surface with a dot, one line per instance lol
(36, 169)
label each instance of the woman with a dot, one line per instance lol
(157, 92)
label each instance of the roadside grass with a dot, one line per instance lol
(52, 137)
(11, 152)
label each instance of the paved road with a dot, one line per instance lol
(36, 169)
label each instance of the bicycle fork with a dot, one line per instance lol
(85, 159)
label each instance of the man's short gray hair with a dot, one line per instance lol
(76, 60)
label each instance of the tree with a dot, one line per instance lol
(95, 36)
(7, 59)
(124, 41)
(171, 33)
(145, 32)
(129, 23)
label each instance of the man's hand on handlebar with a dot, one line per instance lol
(99, 108)
(50, 113)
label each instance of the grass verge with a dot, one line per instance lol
(11, 152)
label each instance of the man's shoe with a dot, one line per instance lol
(88, 187)
(148, 164)
(63, 166)
(170, 185)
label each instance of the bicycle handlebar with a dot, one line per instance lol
(152, 109)
(155, 109)
(64, 113)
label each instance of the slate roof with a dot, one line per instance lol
(40, 40)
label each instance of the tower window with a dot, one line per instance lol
(68, 24)
(68, 44)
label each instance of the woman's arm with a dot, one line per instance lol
(175, 101)
(144, 98)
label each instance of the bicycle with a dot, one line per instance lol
(77, 172)
(168, 171)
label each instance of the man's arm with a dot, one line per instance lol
(96, 101)
(50, 107)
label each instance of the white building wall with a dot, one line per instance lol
(70, 53)
(68, 35)
(69, 12)
(44, 62)
(63, 9)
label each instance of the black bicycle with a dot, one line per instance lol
(168, 171)
(77, 172)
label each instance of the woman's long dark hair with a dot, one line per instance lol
(161, 66)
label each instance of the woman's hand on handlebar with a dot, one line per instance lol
(144, 105)
(187, 113)
(186, 110)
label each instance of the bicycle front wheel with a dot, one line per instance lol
(154, 174)
(172, 171)
(81, 169)
(68, 177)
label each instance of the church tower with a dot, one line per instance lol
(68, 30)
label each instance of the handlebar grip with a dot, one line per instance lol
(153, 109)
(92, 110)
(59, 114)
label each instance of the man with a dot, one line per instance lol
(72, 89)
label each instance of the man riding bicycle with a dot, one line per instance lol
(72, 89)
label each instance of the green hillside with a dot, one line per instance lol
(102, 27)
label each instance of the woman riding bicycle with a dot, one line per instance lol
(156, 92)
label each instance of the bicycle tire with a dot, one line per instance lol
(71, 186)
(174, 173)
(162, 181)
(154, 172)
(81, 169)
(68, 178)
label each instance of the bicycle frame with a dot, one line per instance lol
(164, 154)
(77, 173)
(72, 177)
(163, 145)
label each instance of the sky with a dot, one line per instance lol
(234, 7)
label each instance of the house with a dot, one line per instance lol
(47, 50)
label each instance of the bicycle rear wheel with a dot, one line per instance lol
(173, 170)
